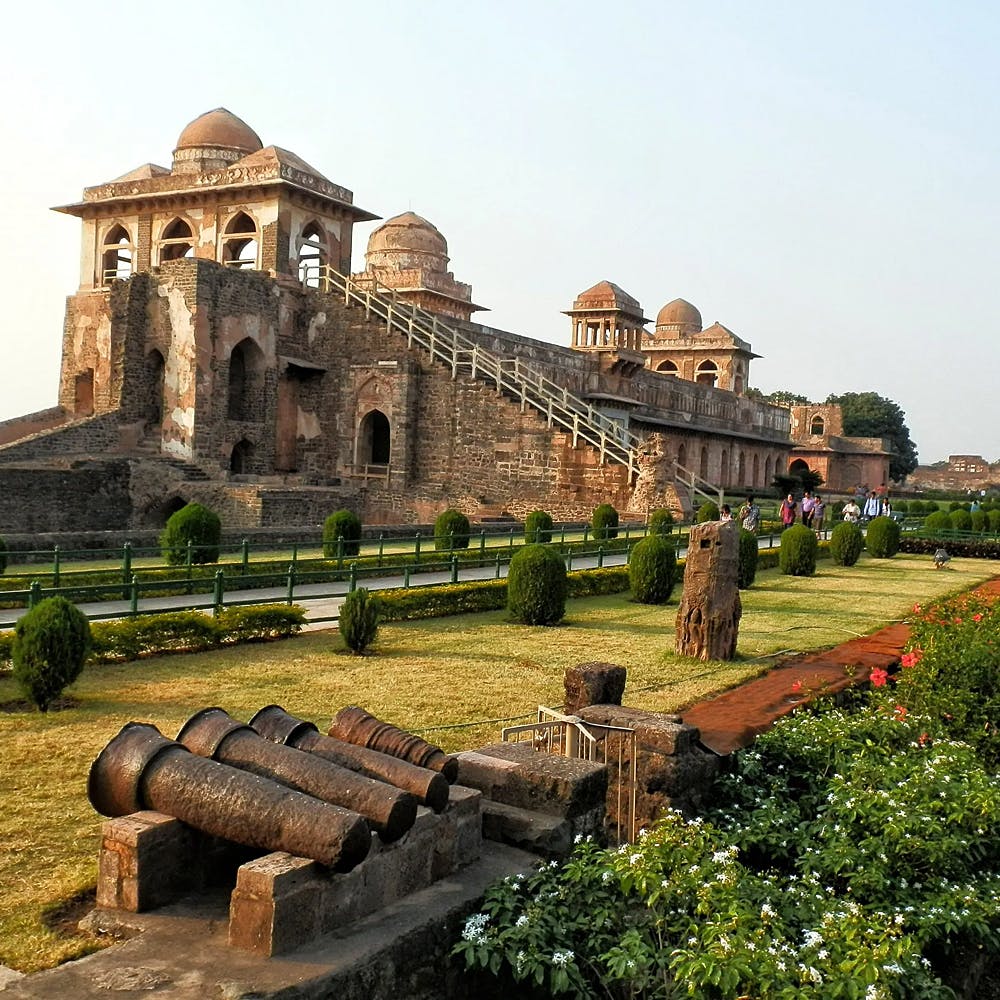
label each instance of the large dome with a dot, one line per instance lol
(408, 232)
(678, 313)
(219, 129)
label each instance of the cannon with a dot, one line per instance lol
(355, 725)
(143, 769)
(214, 733)
(430, 787)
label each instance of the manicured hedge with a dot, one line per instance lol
(965, 548)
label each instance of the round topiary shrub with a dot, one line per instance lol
(797, 555)
(51, 643)
(882, 537)
(358, 620)
(538, 527)
(994, 520)
(341, 524)
(846, 542)
(978, 518)
(3, 554)
(708, 511)
(903, 506)
(961, 520)
(937, 522)
(652, 570)
(604, 521)
(536, 586)
(196, 524)
(660, 522)
(451, 530)
(749, 550)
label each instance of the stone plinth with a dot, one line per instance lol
(593, 684)
(708, 618)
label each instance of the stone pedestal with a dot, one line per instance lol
(708, 619)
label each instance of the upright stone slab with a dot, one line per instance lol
(708, 619)
(593, 684)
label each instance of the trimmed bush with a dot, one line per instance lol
(196, 524)
(961, 520)
(797, 556)
(978, 518)
(652, 570)
(708, 511)
(937, 522)
(342, 524)
(538, 527)
(902, 506)
(882, 537)
(451, 530)
(3, 554)
(604, 521)
(846, 542)
(993, 518)
(749, 554)
(51, 643)
(359, 618)
(536, 586)
(259, 622)
(660, 522)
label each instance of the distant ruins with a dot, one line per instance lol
(217, 351)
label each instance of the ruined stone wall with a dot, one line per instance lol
(17, 428)
(91, 436)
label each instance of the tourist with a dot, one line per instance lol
(885, 508)
(851, 511)
(872, 507)
(749, 515)
(789, 509)
(726, 514)
(807, 509)
(818, 513)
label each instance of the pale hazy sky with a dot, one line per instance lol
(820, 178)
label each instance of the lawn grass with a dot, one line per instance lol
(435, 677)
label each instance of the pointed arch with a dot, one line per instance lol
(707, 373)
(154, 371)
(768, 472)
(724, 470)
(817, 425)
(682, 455)
(176, 240)
(374, 439)
(246, 382)
(668, 367)
(703, 464)
(241, 457)
(241, 243)
(314, 254)
(117, 255)
(756, 470)
(741, 474)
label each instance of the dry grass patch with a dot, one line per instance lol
(422, 675)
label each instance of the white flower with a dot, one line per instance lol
(522, 921)
(562, 957)
(475, 928)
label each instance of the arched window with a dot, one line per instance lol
(703, 467)
(154, 384)
(767, 472)
(117, 255)
(742, 476)
(724, 468)
(374, 439)
(682, 456)
(246, 382)
(798, 466)
(241, 459)
(756, 471)
(313, 255)
(177, 241)
(667, 367)
(707, 373)
(818, 426)
(239, 249)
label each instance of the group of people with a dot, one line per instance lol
(812, 511)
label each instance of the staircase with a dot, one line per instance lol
(511, 376)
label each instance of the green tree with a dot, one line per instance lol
(867, 414)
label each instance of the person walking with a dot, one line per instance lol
(789, 509)
(818, 513)
(749, 515)
(807, 509)
(872, 507)
(851, 511)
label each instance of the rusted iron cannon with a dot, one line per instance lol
(355, 725)
(275, 724)
(214, 733)
(143, 769)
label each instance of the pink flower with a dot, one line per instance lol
(796, 686)
(958, 621)
(900, 711)
(916, 609)
(878, 677)
(977, 618)
(912, 658)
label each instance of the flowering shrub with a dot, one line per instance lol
(956, 646)
(855, 854)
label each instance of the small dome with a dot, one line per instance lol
(409, 233)
(679, 313)
(219, 129)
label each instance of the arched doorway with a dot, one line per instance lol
(241, 458)
(374, 439)
(154, 382)
(246, 382)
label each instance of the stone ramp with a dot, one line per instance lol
(180, 952)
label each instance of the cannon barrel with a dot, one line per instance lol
(354, 725)
(143, 769)
(214, 733)
(275, 724)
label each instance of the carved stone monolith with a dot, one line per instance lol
(708, 619)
